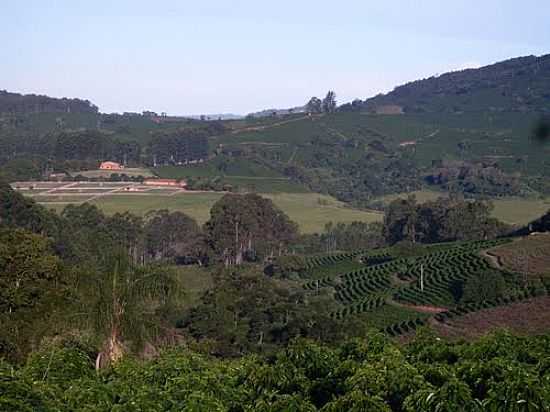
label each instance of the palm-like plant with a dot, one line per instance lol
(123, 304)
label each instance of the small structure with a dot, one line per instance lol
(110, 166)
(58, 177)
(165, 182)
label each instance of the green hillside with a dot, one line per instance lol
(519, 84)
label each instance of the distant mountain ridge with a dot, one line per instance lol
(16, 103)
(518, 84)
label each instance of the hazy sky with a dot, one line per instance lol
(192, 57)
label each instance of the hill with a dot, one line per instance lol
(15, 103)
(519, 84)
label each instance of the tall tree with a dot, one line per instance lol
(248, 226)
(32, 286)
(329, 102)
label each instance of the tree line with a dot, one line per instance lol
(15, 103)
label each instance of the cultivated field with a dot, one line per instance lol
(311, 211)
(527, 317)
(530, 255)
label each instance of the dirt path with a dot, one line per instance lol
(291, 159)
(419, 308)
(493, 259)
(277, 124)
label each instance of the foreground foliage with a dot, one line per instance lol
(497, 373)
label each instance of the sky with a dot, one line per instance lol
(240, 56)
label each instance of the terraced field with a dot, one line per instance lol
(411, 289)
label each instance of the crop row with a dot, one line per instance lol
(319, 283)
(358, 289)
(440, 278)
(364, 306)
(332, 259)
(404, 327)
(487, 304)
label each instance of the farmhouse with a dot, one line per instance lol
(111, 166)
(165, 182)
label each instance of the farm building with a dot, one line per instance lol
(165, 182)
(111, 166)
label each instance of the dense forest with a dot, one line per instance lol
(15, 103)
(519, 84)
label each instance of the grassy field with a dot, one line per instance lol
(310, 210)
(515, 211)
(421, 196)
(520, 211)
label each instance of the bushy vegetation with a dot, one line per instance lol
(497, 373)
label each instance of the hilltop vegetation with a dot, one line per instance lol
(468, 132)
(519, 84)
(17, 104)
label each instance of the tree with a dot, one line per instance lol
(329, 102)
(32, 286)
(401, 220)
(123, 305)
(173, 234)
(247, 227)
(315, 105)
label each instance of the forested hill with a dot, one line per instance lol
(15, 103)
(519, 84)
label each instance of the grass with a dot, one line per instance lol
(311, 211)
(511, 210)
(520, 211)
(195, 280)
(196, 205)
(421, 196)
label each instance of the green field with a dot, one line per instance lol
(310, 210)
(520, 211)
(421, 196)
(511, 210)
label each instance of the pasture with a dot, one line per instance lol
(511, 210)
(310, 210)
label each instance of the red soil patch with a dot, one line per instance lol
(530, 255)
(529, 317)
(421, 308)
